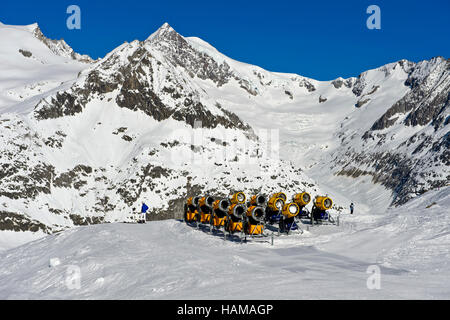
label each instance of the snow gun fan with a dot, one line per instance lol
(191, 209)
(281, 195)
(235, 221)
(302, 199)
(257, 200)
(274, 207)
(238, 197)
(220, 209)
(320, 206)
(255, 220)
(206, 205)
(287, 221)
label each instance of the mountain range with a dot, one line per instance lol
(86, 141)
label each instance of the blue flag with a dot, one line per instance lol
(144, 208)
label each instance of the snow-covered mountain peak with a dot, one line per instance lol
(59, 47)
(164, 32)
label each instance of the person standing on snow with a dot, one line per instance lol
(142, 216)
(352, 206)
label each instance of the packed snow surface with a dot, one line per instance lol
(170, 260)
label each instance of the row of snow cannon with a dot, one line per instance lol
(250, 216)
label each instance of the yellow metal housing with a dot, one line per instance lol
(290, 210)
(323, 203)
(221, 205)
(206, 202)
(275, 204)
(191, 216)
(257, 200)
(234, 226)
(238, 197)
(255, 229)
(237, 210)
(281, 195)
(302, 199)
(218, 222)
(192, 203)
(256, 212)
(205, 217)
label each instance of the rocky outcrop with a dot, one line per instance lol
(60, 47)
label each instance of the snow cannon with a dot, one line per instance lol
(235, 219)
(274, 207)
(258, 200)
(302, 199)
(238, 197)
(205, 204)
(320, 206)
(220, 209)
(255, 220)
(281, 195)
(191, 209)
(287, 221)
(323, 203)
(290, 210)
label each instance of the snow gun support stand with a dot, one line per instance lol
(254, 225)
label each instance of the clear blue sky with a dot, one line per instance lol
(318, 39)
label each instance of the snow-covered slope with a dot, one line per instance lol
(31, 65)
(170, 116)
(169, 260)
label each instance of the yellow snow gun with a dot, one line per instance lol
(238, 197)
(274, 208)
(258, 200)
(191, 209)
(287, 221)
(235, 218)
(290, 210)
(302, 199)
(205, 204)
(323, 202)
(281, 195)
(220, 209)
(320, 206)
(255, 220)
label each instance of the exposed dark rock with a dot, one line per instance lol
(25, 53)
(289, 94)
(19, 222)
(361, 102)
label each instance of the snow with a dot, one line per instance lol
(21, 77)
(170, 260)
(11, 239)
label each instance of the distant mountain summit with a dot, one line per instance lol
(59, 47)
